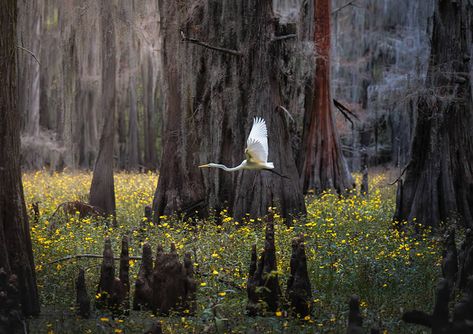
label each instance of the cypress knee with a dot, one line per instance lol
(144, 282)
(107, 276)
(299, 291)
(82, 298)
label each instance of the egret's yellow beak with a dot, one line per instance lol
(204, 166)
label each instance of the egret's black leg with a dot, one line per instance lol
(274, 172)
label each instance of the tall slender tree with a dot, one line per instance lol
(438, 181)
(30, 18)
(16, 254)
(321, 162)
(102, 190)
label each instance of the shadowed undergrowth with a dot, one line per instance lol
(350, 243)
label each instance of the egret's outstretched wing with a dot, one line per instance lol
(257, 143)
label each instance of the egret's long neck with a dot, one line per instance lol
(229, 169)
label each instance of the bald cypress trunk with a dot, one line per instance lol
(321, 162)
(150, 111)
(132, 140)
(102, 191)
(16, 255)
(29, 17)
(438, 182)
(212, 97)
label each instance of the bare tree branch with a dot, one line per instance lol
(30, 52)
(208, 46)
(283, 37)
(339, 105)
(287, 112)
(89, 256)
(350, 3)
(342, 111)
(402, 173)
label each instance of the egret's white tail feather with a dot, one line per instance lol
(270, 165)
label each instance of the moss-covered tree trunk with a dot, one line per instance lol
(321, 162)
(16, 254)
(438, 182)
(211, 98)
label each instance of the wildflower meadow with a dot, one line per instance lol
(351, 243)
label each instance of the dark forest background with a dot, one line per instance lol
(380, 52)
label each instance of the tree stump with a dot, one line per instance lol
(82, 298)
(355, 321)
(299, 289)
(11, 316)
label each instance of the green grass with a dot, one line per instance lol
(351, 247)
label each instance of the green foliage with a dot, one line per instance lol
(352, 248)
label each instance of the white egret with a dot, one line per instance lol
(256, 151)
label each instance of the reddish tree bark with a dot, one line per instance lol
(16, 255)
(321, 162)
